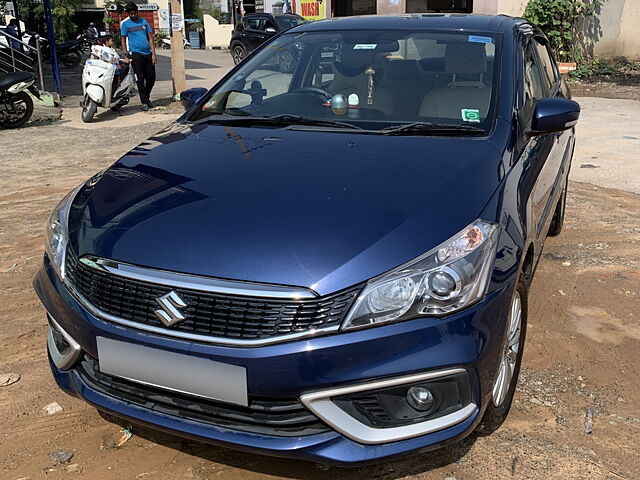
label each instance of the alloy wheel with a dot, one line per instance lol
(510, 351)
(238, 54)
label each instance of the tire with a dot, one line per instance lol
(558, 216)
(88, 110)
(286, 62)
(71, 59)
(238, 53)
(501, 399)
(23, 105)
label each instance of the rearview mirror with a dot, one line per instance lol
(191, 96)
(554, 115)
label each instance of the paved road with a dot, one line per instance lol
(608, 144)
(203, 69)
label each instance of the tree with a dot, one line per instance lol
(32, 14)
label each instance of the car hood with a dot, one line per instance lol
(317, 209)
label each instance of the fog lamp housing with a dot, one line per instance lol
(408, 404)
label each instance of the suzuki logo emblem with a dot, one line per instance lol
(169, 313)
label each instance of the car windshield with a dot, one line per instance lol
(386, 81)
(285, 23)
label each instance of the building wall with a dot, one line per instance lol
(616, 29)
(612, 33)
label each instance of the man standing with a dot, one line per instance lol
(137, 40)
(24, 61)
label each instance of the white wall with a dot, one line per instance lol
(216, 35)
(613, 32)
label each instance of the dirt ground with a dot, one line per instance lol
(624, 83)
(582, 348)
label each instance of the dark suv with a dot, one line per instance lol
(257, 28)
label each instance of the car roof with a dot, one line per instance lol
(439, 21)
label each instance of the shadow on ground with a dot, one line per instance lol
(301, 469)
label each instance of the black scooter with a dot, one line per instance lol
(16, 106)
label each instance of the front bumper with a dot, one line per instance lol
(469, 340)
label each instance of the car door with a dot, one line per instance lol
(557, 163)
(254, 32)
(544, 171)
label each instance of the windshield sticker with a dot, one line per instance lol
(470, 115)
(365, 46)
(477, 39)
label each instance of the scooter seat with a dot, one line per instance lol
(9, 79)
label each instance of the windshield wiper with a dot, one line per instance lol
(431, 128)
(285, 119)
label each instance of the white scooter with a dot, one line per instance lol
(97, 86)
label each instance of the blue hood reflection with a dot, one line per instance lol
(321, 210)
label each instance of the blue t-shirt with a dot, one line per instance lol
(137, 34)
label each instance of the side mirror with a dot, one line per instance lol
(191, 96)
(554, 115)
(270, 30)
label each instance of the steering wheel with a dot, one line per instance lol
(316, 91)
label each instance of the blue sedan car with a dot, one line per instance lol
(330, 263)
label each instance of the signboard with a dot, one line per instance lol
(150, 7)
(163, 18)
(176, 21)
(310, 9)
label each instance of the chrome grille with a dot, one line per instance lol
(207, 314)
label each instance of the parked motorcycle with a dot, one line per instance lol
(16, 106)
(98, 86)
(69, 53)
(166, 43)
(86, 41)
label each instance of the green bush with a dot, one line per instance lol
(158, 37)
(595, 67)
(561, 21)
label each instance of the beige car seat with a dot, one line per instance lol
(462, 92)
(348, 73)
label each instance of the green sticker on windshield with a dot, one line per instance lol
(470, 115)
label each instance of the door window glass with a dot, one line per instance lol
(534, 88)
(546, 64)
(254, 23)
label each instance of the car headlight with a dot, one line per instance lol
(57, 232)
(446, 279)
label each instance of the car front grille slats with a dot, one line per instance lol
(207, 314)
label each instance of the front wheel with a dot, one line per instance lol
(238, 53)
(19, 110)
(89, 108)
(506, 378)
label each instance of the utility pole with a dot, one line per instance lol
(177, 50)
